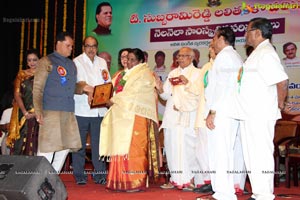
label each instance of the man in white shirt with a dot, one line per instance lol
(162, 72)
(260, 96)
(160, 68)
(222, 129)
(92, 71)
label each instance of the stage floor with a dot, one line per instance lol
(92, 191)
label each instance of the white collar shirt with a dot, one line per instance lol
(257, 94)
(91, 73)
(222, 81)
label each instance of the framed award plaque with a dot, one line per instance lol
(102, 94)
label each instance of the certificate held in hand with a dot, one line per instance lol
(102, 94)
(175, 81)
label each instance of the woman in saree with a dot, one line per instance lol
(129, 129)
(23, 133)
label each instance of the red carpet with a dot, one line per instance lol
(92, 191)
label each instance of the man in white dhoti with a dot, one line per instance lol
(222, 129)
(259, 99)
(182, 94)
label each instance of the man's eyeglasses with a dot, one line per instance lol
(91, 46)
(182, 55)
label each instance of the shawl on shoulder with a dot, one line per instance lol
(137, 98)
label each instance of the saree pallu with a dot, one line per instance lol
(129, 172)
(27, 143)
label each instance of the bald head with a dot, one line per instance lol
(107, 57)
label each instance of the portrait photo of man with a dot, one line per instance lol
(291, 59)
(103, 18)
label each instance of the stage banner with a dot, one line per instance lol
(168, 25)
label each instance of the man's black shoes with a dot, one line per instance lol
(206, 188)
(101, 181)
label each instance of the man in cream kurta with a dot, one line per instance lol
(179, 119)
(53, 99)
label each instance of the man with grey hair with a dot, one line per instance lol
(182, 93)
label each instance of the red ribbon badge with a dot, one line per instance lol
(104, 74)
(61, 71)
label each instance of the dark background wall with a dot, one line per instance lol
(13, 12)
(11, 39)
